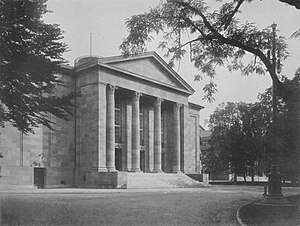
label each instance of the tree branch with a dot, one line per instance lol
(229, 19)
(192, 24)
(238, 44)
(194, 40)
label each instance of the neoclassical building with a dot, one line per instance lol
(133, 115)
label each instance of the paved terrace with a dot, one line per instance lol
(216, 205)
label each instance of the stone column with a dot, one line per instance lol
(128, 135)
(110, 128)
(136, 132)
(176, 138)
(157, 136)
(149, 141)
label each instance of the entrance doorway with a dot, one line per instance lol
(39, 177)
(118, 159)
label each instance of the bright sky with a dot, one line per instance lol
(105, 19)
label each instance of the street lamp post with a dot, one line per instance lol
(274, 203)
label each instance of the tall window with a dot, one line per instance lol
(141, 126)
(118, 121)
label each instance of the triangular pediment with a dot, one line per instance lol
(151, 67)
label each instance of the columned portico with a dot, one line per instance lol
(110, 128)
(126, 120)
(157, 135)
(136, 132)
(176, 137)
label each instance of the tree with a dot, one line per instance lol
(216, 38)
(242, 136)
(236, 141)
(288, 130)
(30, 56)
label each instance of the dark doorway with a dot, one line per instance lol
(39, 177)
(118, 159)
(142, 160)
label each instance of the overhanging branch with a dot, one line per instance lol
(238, 44)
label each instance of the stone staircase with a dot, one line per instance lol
(161, 180)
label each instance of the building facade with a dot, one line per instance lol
(132, 115)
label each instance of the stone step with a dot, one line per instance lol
(161, 180)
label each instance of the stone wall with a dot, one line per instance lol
(59, 144)
(20, 154)
(44, 149)
(19, 149)
(16, 177)
(87, 121)
(190, 143)
(94, 179)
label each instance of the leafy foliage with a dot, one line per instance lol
(296, 34)
(236, 136)
(216, 39)
(31, 55)
(243, 135)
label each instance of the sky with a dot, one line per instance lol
(105, 19)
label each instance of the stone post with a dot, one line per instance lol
(136, 132)
(110, 128)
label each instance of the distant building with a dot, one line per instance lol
(133, 115)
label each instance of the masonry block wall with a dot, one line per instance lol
(45, 148)
(87, 112)
(59, 144)
(19, 156)
(190, 143)
(194, 140)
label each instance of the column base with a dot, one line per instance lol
(177, 171)
(136, 171)
(111, 170)
(157, 171)
(101, 169)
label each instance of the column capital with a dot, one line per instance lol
(177, 105)
(136, 96)
(158, 101)
(111, 88)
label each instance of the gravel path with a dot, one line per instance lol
(215, 205)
